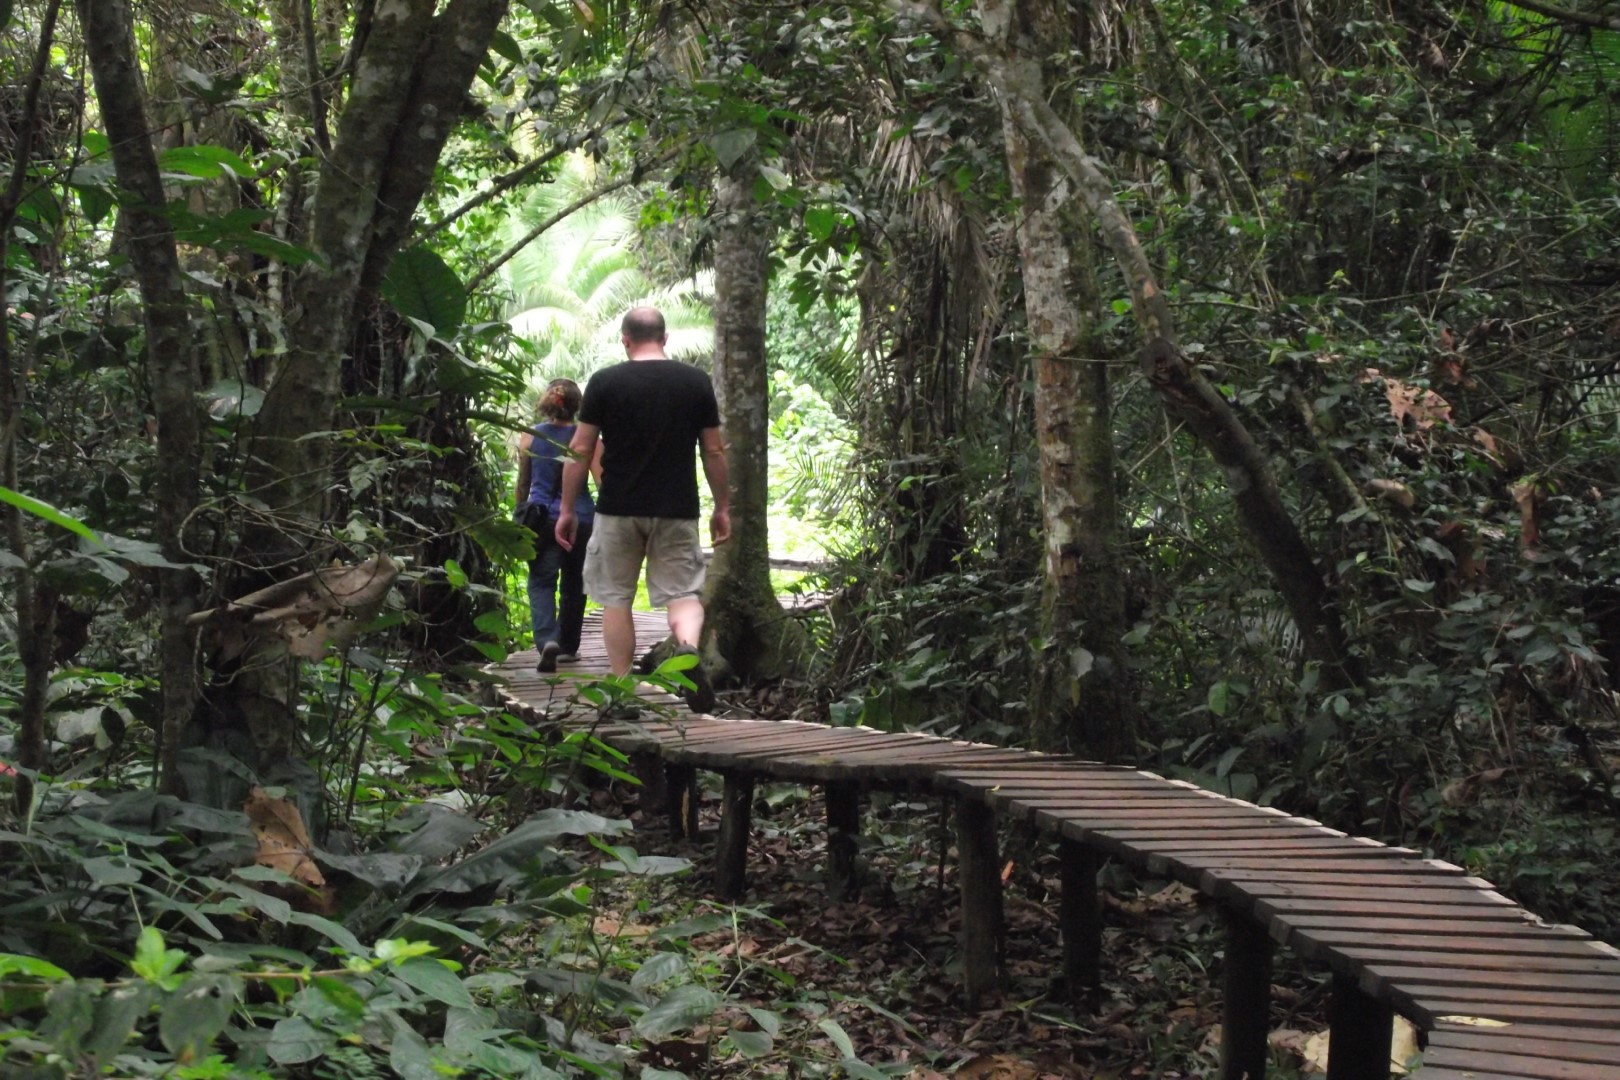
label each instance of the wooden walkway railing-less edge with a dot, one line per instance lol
(1498, 993)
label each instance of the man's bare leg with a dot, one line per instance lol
(619, 636)
(686, 620)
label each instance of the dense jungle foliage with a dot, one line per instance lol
(1228, 388)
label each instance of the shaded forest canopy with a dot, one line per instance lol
(1227, 388)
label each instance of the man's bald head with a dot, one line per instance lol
(643, 326)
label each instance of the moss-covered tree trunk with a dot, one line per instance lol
(1081, 701)
(746, 626)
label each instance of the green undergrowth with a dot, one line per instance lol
(444, 919)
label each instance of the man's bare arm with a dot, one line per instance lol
(713, 448)
(581, 450)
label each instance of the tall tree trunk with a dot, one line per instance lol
(745, 622)
(1082, 701)
(409, 83)
(171, 365)
(33, 606)
(1183, 389)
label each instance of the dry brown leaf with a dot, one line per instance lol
(1391, 491)
(1313, 1049)
(1528, 497)
(1424, 408)
(606, 926)
(1472, 1021)
(284, 843)
(996, 1067)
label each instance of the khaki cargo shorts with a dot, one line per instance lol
(618, 545)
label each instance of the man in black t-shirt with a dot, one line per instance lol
(649, 413)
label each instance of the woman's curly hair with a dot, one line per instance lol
(560, 401)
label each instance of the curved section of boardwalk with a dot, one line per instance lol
(1498, 993)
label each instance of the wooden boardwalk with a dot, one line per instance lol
(1497, 993)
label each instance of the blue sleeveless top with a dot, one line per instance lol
(545, 472)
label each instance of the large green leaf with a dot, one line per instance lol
(422, 286)
(435, 980)
(680, 1008)
(195, 1014)
(50, 513)
(511, 855)
(295, 1040)
(442, 832)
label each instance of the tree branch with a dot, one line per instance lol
(574, 207)
(503, 184)
(455, 47)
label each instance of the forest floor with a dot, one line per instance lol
(876, 975)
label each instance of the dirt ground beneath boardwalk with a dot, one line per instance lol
(870, 986)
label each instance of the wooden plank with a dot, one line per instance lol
(889, 763)
(1496, 996)
(1471, 925)
(1350, 939)
(1431, 1009)
(1349, 883)
(1484, 935)
(1039, 768)
(1186, 859)
(1067, 784)
(755, 751)
(1486, 964)
(1422, 988)
(1477, 1063)
(1207, 819)
(1576, 1044)
(1372, 861)
(1347, 889)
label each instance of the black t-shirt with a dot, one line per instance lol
(649, 413)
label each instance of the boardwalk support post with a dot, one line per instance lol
(979, 866)
(1359, 1033)
(680, 787)
(649, 769)
(843, 829)
(1080, 924)
(1246, 1004)
(731, 852)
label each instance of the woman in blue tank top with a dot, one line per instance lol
(556, 614)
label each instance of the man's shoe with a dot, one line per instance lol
(567, 658)
(700, 699)
(548, 658)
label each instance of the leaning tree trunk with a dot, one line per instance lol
(409, 85)
(171, 363)
(746, 624)
(1183, 389)
(1081, 701)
